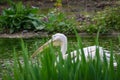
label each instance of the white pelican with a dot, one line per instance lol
(60, 39)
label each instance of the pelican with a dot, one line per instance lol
(60, 39)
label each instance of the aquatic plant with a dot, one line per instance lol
(46, 66)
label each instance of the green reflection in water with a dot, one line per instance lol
(7, 45)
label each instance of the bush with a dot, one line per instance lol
(19, 17)
(58, 22)
(107, 20)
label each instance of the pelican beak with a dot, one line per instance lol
(40, 49)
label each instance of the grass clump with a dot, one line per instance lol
(47, 67)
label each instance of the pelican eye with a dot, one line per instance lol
(53, 37)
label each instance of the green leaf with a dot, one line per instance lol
(40, 27)
(62, 24)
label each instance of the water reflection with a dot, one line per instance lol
(7, 45)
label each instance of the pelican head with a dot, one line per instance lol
(58, 39)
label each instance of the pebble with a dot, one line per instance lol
(6, 64)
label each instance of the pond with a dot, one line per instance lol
(8, 45)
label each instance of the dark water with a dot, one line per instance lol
(7, 46)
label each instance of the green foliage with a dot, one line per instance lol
(19, 17)
(107, 20)
(57, 21)
(47, 67)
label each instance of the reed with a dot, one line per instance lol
(46, 66)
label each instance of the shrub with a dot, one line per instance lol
(58, 22)
(19, 17)
(107, 20)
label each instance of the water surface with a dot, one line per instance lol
(8, 45)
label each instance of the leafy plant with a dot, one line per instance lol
(58, 22)
(19, 17)
(107, 20)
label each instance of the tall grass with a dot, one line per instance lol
(47, 67)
